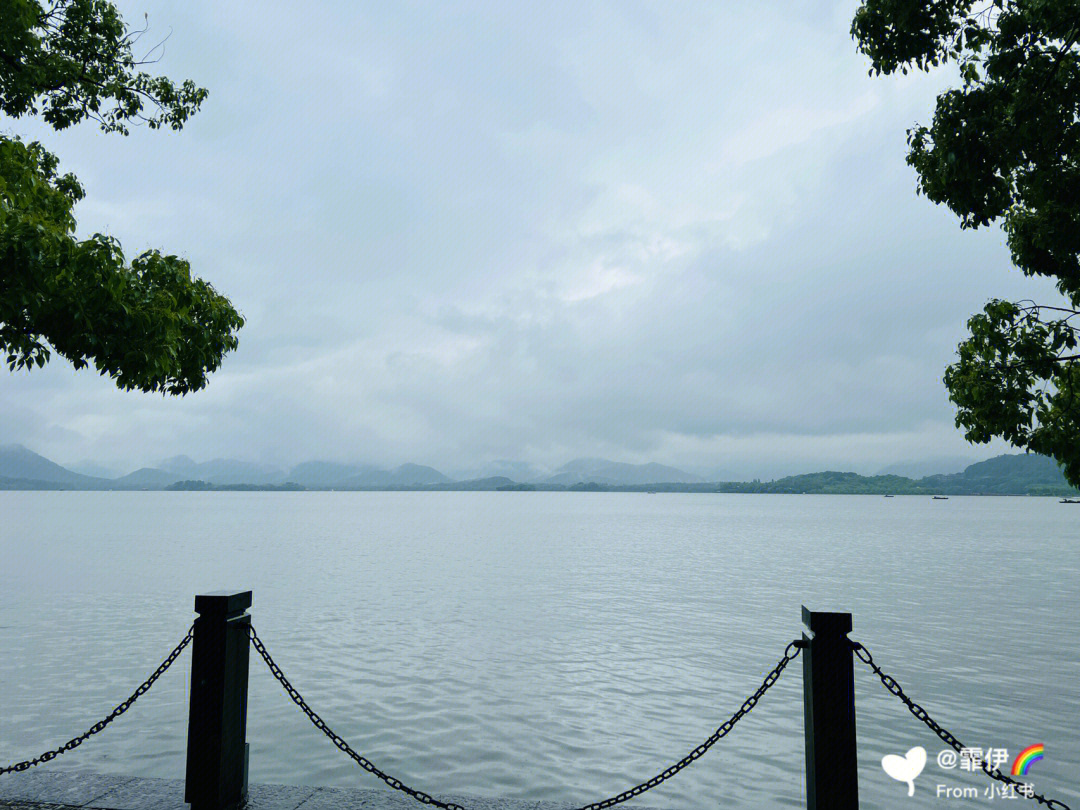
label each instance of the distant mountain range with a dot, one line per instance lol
(1019, 474)
(613, 473)
(21, 468)
(938, 465)
(20, 464)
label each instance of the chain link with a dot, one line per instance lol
(75, 742)
(921, 714)
(790, 653)
(320, 724)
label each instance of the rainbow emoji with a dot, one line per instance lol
(1026, 758)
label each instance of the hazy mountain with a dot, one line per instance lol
(93, 469)
(1022, 474)
(315, 474)
(938, 465)
(602, 471)
(181, 465)
(1025, 473)
(417, 474)
(222, 471)
(146, 478)
(231, 471)
(18, 462)
(324, 473)
(403, 476)
(517, 471)
(489, 483)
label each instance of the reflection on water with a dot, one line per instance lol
(560, 646)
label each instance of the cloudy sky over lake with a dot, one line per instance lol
(459, 232)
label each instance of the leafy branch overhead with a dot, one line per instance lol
(146, 323)
(1003, 148)
(74, 60)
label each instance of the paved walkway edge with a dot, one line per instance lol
(43, 788)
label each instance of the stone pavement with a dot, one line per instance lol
(38, 789)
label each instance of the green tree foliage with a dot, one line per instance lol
(1003, 147)
(146, 323)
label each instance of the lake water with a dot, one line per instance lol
(559, 646)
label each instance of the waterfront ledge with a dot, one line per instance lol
(59, 790)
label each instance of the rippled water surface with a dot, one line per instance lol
(558, 646)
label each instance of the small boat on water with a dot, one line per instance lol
(888, 496)
(1069, 500)
(941, 498)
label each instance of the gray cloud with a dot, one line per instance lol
(684, 235)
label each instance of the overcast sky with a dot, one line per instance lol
(459, 232)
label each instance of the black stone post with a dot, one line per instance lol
(217, 724)
(832, 771)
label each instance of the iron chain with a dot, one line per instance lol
(790, 653)
(921, 714)
(320, 724)
(75, 742)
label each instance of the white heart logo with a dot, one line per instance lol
(905, 768)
